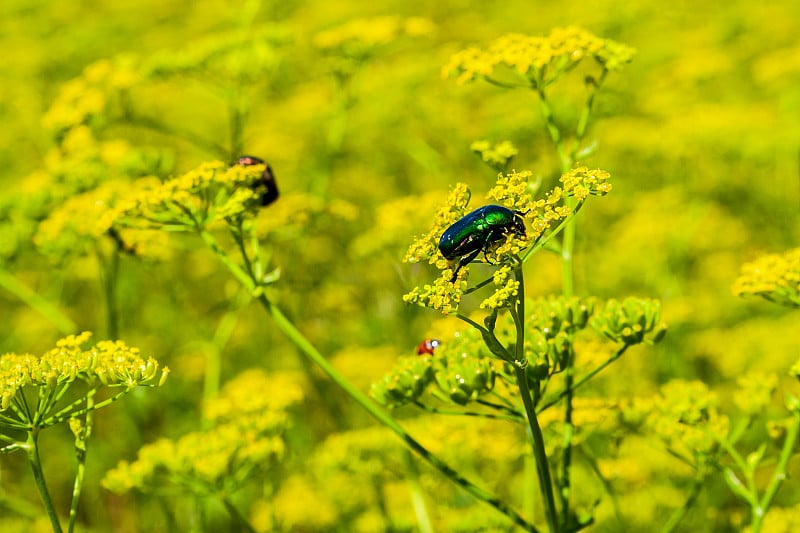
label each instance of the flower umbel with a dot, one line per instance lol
(540, 60)
(774, 277)
(498, 156)
(212, 192)
(108, 363)
(512, 191)
(250, 416)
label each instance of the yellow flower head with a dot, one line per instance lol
(88, 96)
(247, 57)
(212, 192)
(512, 191)
(685, 415)
(108, 363)
(498, 156)
(358, 37)
(540, 60)
(250, 416)
(774, 277)
(507, 290)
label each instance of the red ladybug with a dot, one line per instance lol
(267, 178)
(428, 346)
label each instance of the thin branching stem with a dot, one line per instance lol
(539, 451)
(313, 355)
(454, 412)
(583, 379)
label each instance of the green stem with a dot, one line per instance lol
(81, 446)
(583, 380)
(236, 515)
(569, 430)
(505, 408)
(109, 270)
(553, 129)
(222, 335)
(539, 452)
(33, 300)
(362, 399)
(779, 475)
(417, 494)
(752, 490)
(583, 120)
(32, 448)
(244, 278)
(63, 415)
(680, 512)
(567, 249)
(491, 416)
(198, 141)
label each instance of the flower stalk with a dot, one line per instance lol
(312, 354)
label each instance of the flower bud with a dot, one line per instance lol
(164, 375)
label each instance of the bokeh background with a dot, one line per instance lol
(701, 134)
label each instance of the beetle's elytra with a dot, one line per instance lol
(477, 231)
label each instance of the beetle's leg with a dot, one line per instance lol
(493, 238)
(463, 261)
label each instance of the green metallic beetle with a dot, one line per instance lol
(477, 231)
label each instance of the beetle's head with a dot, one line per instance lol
(518, 226)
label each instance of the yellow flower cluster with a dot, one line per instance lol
(425, 248)
(755, 392)
(589, 416)
(250, 416)
(371, 457)
(498, 156)
(252, 393)
(631, 321)
(109, 363)
(212, 192)
(88, 96)
(540, 60)
(80, 221)
(246, 57)
(360, 35)
(507, 289)
(685, 416)
(512, 191)
(205, 458)
(444, 295)
(774, 277)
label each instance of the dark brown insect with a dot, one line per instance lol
(267, 179)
